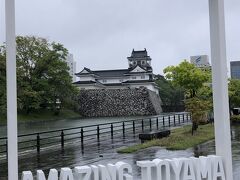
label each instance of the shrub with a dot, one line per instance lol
(235, 118)
(199, 109)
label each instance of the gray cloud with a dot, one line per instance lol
(102, 33)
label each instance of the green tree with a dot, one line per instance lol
(205, 92)
(42, 74)
(3, 102)
(187, 76)
(194, 81)
(234, 93)
(199, 109)
(171, 96)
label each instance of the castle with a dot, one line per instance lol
(139, 74)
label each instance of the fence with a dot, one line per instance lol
(59, 138)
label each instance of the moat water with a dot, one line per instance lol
(38, 126)
(106, 151)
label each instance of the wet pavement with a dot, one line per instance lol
(106, 152)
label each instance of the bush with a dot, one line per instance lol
(235, 118)
(199, 109)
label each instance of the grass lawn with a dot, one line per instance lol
(45, 115)
(179, 139)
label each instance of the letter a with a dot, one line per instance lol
(188, 171)
(218, 170)
(27, 175)
(53, 175)
(66, 174)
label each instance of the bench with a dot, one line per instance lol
(150, 135)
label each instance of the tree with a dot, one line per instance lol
(199, 109)
(3, 102)
(192, 80)
(205, 92)
(42, 74)
(171, 96)
(234, 93)
(187, 76)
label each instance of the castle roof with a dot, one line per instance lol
(111, 73)
(137, 81)
(105, 73)
(139, 54)
(85, 82)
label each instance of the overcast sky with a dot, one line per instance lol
(102, 33)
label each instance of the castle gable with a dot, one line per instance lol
(138, 69)
(85, 71)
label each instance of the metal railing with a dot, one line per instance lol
(41, 141)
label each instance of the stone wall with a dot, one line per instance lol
(119, 102)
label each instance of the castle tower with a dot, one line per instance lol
(139, 58)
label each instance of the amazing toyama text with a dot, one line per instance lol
(202, 168)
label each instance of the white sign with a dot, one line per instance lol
(203, 168)
(200, 61)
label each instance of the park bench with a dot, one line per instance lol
(157, 134)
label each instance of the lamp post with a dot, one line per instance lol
(11, 90)
(220, 86)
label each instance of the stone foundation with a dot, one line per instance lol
(119, 102)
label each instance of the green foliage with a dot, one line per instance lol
(199, 109)
(179, 139)
(46, 115)
(187, 76)
(205, 93)
(42, 74)
(3, 102)
(235, 118)
(234, 93)
(196, 84)
(170, 95)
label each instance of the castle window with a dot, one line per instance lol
(143, 62)
(142, 76)
(104, 80)
(134, 77)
